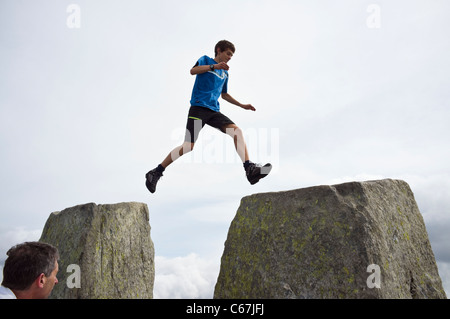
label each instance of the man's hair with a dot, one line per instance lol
(223, 46)
(26, 262)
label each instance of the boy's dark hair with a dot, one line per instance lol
(223, 46)
(26, 262)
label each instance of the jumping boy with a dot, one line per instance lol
(211, 83)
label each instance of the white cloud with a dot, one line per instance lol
(349, 103)
(186, 277)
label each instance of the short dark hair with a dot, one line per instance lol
(223, 46)
(26, 262)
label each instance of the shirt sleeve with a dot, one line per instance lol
(202, 61)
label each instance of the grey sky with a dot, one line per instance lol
(86, 112)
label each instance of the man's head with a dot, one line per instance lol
(224, 50)
(30, 270)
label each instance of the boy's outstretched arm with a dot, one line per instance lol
(199, 69)
(227, 97)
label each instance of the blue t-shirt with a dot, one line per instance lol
(209, 86)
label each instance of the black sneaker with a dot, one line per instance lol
(255, 172)
(151, 179)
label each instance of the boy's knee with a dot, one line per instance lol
(188, 147)
(238, 131)
(233, 131)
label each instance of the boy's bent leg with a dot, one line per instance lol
(152, 177)
(193, 128)
(177, 152)
(236, 133)
(254, 172)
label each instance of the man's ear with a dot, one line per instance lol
(40, 280)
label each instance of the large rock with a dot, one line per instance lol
(111, 244)
(318, 242)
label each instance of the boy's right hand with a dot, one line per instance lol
(221, 65)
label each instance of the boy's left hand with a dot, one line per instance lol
(248, 107)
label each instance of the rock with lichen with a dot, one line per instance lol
(354, 240)
(109, 248)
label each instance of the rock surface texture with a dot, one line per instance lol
(112, 246)
(318, 242)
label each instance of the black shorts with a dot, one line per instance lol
(199, 116)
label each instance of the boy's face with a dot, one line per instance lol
(224, 56)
